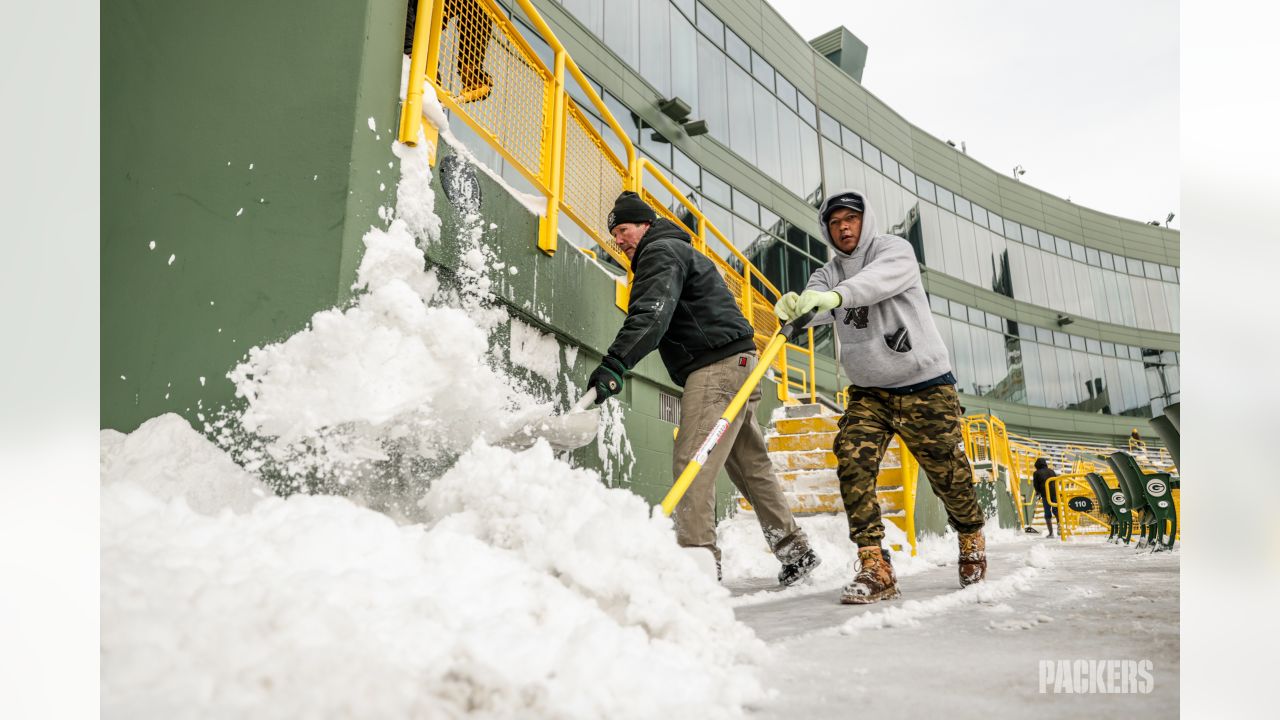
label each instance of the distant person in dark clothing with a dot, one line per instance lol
(1039, 479)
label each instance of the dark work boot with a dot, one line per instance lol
(795, 571)
(874, 582)
(973, 558)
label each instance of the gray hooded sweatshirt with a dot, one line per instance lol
(887, 335)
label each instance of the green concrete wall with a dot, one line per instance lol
(235, 137)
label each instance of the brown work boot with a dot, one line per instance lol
(874, 582)
(973, 558)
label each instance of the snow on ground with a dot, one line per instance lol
(941, 650)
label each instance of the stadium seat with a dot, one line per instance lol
(1168, 432)
(1160, 520)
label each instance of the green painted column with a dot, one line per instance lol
(238, 174)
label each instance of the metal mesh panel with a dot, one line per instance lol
(478, 50)
(593, 179)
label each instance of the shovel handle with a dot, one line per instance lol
(794, 327)
(584, 402)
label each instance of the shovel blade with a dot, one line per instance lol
(563, 432)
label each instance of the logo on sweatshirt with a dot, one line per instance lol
(857, 316)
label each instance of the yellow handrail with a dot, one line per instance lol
(598, 174)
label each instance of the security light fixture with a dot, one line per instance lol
(1018, 171)
(675, 108)
(1168, 220)
(695, 128)
(1064, 320)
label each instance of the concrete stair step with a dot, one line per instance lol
(803, 460)
(804, 441)
(828, 475)
(797, 426)
(804, 410)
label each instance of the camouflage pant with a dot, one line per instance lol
(929, 423)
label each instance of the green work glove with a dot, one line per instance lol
(820, 300)
(785, 308)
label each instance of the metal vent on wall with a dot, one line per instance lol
(668, 407)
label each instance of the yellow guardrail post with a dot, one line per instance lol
(424, 59)
(813, 370)
(739, 400)
(910, 478)
(548, 230)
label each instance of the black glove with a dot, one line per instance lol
(607, 378)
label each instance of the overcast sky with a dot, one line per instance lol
(1083, 95)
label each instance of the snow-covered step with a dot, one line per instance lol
(800, 442)
(796, 426)
(803, 460)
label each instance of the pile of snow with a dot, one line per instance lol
(525, 588)
(533, 592)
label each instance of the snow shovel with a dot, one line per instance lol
(568, 431)
(789, 332)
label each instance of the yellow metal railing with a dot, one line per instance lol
(484, 71)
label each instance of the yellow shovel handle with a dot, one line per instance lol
(735, 406)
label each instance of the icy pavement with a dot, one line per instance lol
(975, 652)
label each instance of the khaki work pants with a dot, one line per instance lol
(741, 451)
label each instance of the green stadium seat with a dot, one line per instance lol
(1168, 432)
(1160, 519)
(1173, 412)
(1117, 514)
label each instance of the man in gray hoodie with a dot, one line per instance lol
(901, 384)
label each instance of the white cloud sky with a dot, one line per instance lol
(1083, 95)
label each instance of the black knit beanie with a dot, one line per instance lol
(629, 208)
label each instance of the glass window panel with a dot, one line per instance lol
(1052, 280)
(933, 257)
(982, 255)
(1067, 380)
(945, 199)
(684, 55)
(589, 12)
(742, 123)
(1035, 277)
(1109, 349)
(711, 25)
(977, 317)
(908, 178)
(1049, 374)
(1018, 272)
(983, 362)
(1151, 270)
(871, 154)
(655, 47)
(685, 167)
(1062, 247)
(969, 252)
(1012, 230)
(980, 215)
(1091, 256)
(1077, 252)
(964, 208)
(1077, 342)
(1167, 274)
(1159, 309)
(1061, 339)
(716, 189)
(657, 151)
(817, 248)
(1027, 332)
(1067, 279)
(745, 206)
(762, 70)
(1106, 260)
(855, 176)
(810, 163)
(621, 26)
(1046, 241)
(889, 167)
(962, 360)
(832, 166)
(767, 152)
(1101, 309)
(851, 141)
(830, 128)
(960, 311)
(808, 112)
(1093, 346)
(1171, 302)
(998, 261)
(686, 6)
(995, 322)
(712, 88)
(1032, 375)
(789, 139)
(737, 48)
(1141, 303)
(786, 91)
(951, 260)
(1083, 290)
(995, 222)
(938, 304)
(925, 189)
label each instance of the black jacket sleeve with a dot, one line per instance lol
(655, 291)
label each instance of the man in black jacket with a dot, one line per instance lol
(679, 304)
